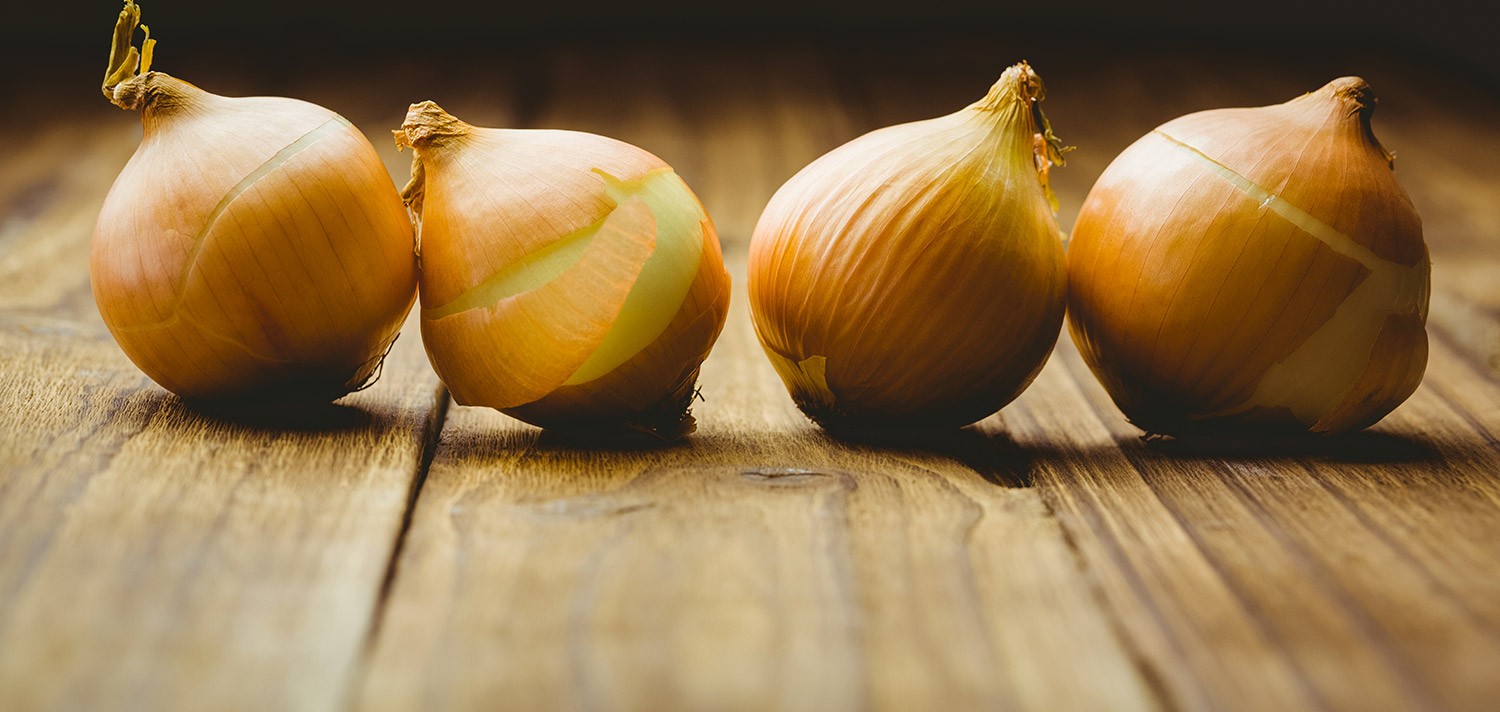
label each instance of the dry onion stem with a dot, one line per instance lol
(252, 248)
(915, 276)
(1252, 271)
(567, 279)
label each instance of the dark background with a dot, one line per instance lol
(1460, 34)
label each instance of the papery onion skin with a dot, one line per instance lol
(253, 249)
(583, 342)
(1253, 273)
(914, 277)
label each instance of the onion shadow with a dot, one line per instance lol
(1363, 447)
(265, 416)
(986, 450)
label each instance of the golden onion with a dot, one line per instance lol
(252, 248)
(914, 277)
(567, 279)
(1254, 271)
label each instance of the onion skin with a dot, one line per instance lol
(635, 388)
(251, 249)
(914, 277)
(492, 205)
(1253, 273)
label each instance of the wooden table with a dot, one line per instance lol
(398, 552)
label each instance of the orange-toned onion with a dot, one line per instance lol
(1245, 272)
(567, 279)
(914, 277)
(252, 248)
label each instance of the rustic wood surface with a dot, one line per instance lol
(395, 552)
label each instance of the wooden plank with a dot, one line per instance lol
(1368, 621)
(1359, 577)
(759, 564)
(156, 557)
(152, 556)
(1177, 612)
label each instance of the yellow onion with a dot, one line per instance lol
(567, 279)
(915, 275)
(1254, 271)
(252, 247)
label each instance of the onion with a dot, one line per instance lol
(1254, 272)
(914, 277)
(567, 279)
(252, 248)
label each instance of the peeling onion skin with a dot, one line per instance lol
(914, 277)
(253, 249)
(610, 338)
(1253, 273)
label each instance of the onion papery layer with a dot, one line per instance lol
(915, 276)
(613, 335)
(250, 249)
(1249, 271)
(667, 276)
(636, 387)
(523, 346)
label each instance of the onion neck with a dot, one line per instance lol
(1018, 84)
(426, 127)
(156, 94)
(1014, 105)
(1352, 103)
(1353, 91)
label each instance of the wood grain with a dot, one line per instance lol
(155, 557)
(759, 565)
(1350, 611)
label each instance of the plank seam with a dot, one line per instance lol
(430, 441)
